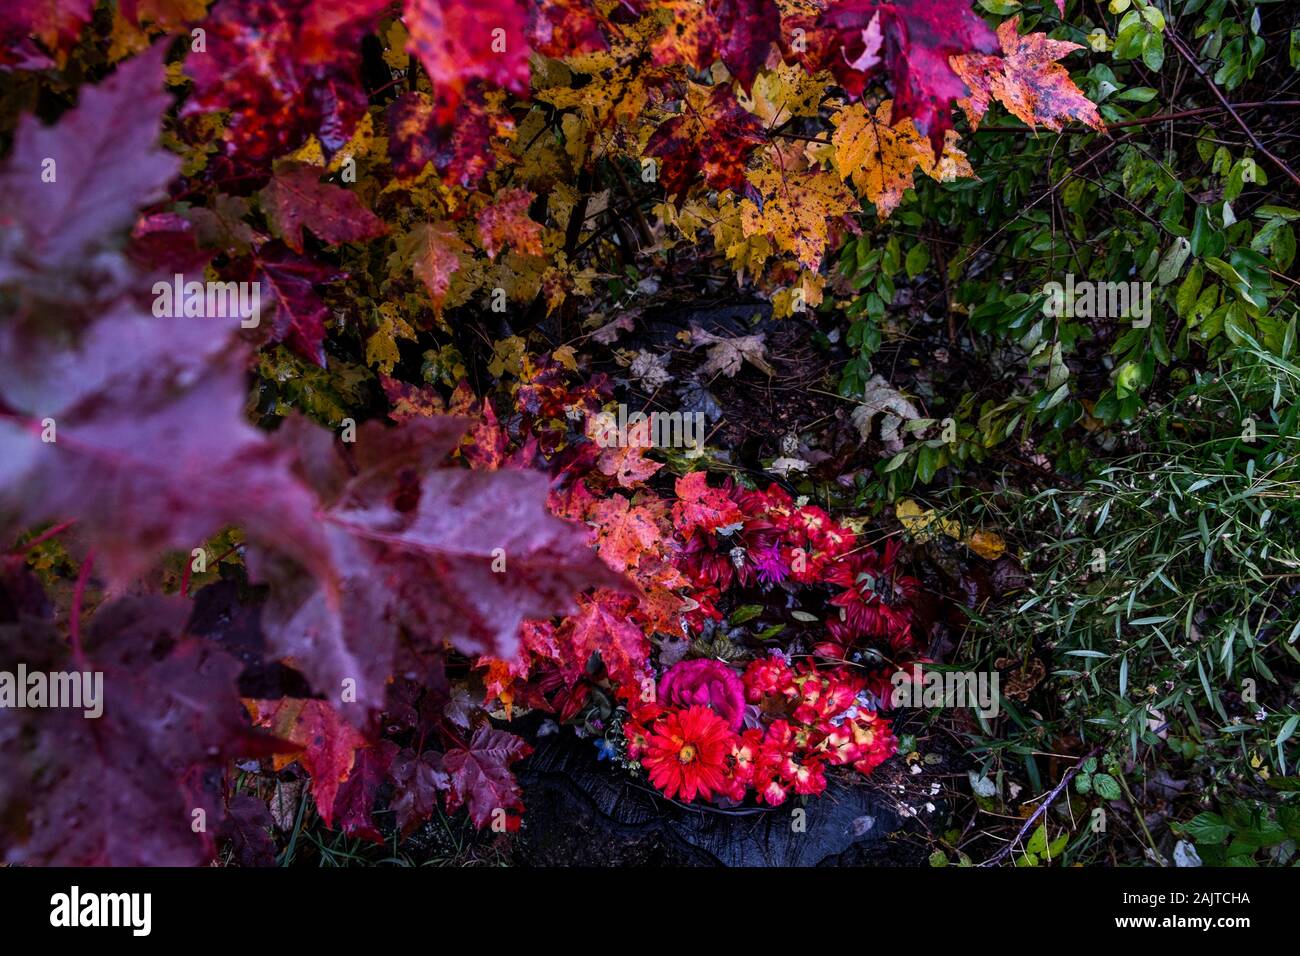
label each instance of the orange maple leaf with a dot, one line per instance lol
(506, 221)
(627, 464)
(624, 531)
(881, 159)
(1026, 80)
(434, 252)
(796, 208)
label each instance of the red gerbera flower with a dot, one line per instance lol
(686, 753)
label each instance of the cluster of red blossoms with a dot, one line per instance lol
(709, 731)
(714, 734)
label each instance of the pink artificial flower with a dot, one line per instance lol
(707, 683)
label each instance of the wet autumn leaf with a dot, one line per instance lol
(917, 38)
(712, 138)
(458, 42)
(1027, 80)
(434, 251)
(880, 160)
(480, 776)
(124, 788)
(506, 222)
(296, 197)
(327, 744)
(795, 208)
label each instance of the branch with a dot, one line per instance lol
(1003, 853)
(1149, 120)
(1186, 54)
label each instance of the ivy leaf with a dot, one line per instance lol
(296, 197)
(480, 774)
(1026, 80)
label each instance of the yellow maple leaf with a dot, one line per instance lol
(381, 348)
(780, 95)
(881, 159)
(798, 206)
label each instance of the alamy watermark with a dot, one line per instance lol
(213, 300)
(72, 690)
(656, 430)
(133, 911)
(1099, 300)
(977, 690)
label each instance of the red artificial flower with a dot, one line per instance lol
(686, 753)
(708, 683)
(877, 603)
(771, 675)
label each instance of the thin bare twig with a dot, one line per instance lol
(1186, 54)
(1003, 853)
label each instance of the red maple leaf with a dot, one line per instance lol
(748, 29)
(247, 831)
(603, 624)
(700, 507)
(713, 137)
(418, 779)
(561, 28)
(70, 188)
(439, 553)
(481, 778)
(460, 141)
(458, 41)
(327, 744)
(292, 309)
(296, 197)
(127, 460)
(126, 787)
(284, 70)
(354, 803)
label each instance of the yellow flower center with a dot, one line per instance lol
(687, 753)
